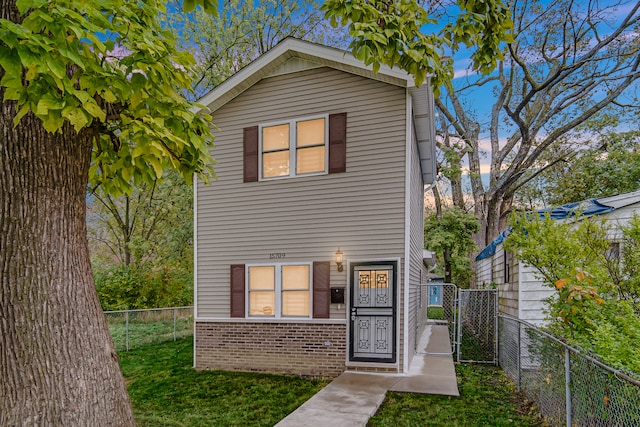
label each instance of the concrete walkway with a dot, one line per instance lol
(354, 397)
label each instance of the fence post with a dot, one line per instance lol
(567, 384)
(458, 321)
(175, 311)
(126, 316)
(496, 335)
(519, 357)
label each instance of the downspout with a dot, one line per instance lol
(407, 230)
(195, 263)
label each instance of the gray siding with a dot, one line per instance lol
(306, 218)
(417, 270)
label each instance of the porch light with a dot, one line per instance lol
(339, 259)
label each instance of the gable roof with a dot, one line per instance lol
(292, 55)
(585, 208)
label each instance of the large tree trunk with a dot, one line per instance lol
(58, 366)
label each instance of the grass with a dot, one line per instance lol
(487, 398)
(166, 391)
(148, 327)
(435, 312)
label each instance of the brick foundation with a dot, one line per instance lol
(282, 348)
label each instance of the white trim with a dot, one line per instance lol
(407, 232)
(519, 290)
(290, 48)
(268, 320)
(277, 268)
(195, 261)
(293, 147)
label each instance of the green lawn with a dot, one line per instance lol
(487, 398)
(166, 391)
(148, 327)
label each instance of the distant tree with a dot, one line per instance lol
(449, 235)
(140, 227)
(612, 167)
(141, 245)
(225, 43)
(569, 62)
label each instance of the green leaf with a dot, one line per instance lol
(73, 55)
(21, 113)
(76, 117)
(10, 61)
(52, 121)
(155, 163)
(48, 102)
(94, 110)
(24, 5)
(188, 5)
(58, 68)
(138, 81)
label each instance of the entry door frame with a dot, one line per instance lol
(394, 263)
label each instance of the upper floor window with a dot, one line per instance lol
(293, 148)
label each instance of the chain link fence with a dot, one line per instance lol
(570, 388)
(477, 326)
(134, 328)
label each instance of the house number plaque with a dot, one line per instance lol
(277, 255)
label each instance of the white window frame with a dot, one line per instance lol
(293, 138)
(278, 290)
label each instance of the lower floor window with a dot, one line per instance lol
(279, 290)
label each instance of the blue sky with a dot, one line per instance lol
(481, 99)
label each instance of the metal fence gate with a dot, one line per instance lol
(436, 304)
(477, 326)
(470, 314)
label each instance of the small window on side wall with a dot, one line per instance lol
(508, 266)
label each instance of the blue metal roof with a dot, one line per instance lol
(585, 208)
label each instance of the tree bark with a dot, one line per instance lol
(58, 365)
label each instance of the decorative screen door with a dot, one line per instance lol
(372, 306)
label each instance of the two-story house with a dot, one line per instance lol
(310, 242)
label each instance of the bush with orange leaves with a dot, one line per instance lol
(595, 270)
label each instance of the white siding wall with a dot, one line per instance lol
(525, 296)
(533, 294)
(620, 218)
(306, 218)
(484, 274)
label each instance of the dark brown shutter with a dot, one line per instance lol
(337, 143)
(321, 290)
(250, 154)
(237, 290)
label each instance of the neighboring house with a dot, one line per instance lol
(520, 292)
(309, 242)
